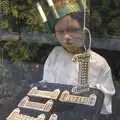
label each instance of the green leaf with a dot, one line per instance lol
(15, 12)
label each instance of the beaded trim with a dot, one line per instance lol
(83, 66)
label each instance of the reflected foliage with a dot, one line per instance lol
(19, 62)
(105, 17)
(19, 15)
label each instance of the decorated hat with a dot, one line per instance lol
(52, 11)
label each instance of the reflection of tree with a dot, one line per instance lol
(13, 72)
(16, 70)
(19, 14)
(105, 17)
(17, 51)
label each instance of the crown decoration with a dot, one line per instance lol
(71, 4)
(56, 9)
(43, 16)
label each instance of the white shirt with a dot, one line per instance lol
(59, 68)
